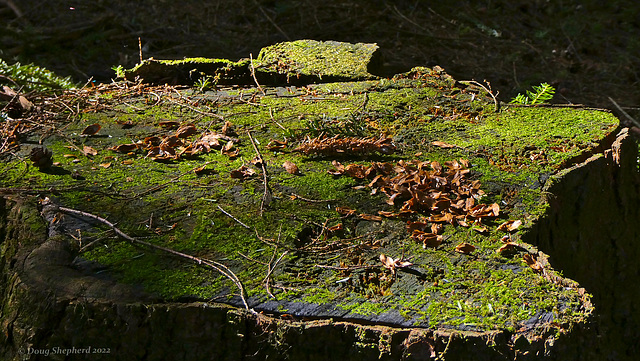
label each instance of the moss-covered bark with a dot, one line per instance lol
(173, 168)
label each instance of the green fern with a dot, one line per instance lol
(31, 77)
(540, 94)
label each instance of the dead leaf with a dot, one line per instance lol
(242, 172)
(203, 170)
(290, 167)
(369, 217)
(91, 129)
(428, 239)
(442, 144)
(127, 162)
(387, 214)
(510, 226)
(465, 248)
(276, 145)
(338, 227)
(533, 263)
(170, 124)
(228, 128)
(186, 131)
(124, 148)
(346, 211)
(509, 248)
(391, 264)
(105, 165)
(88, 150)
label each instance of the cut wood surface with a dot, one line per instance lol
(404, 209)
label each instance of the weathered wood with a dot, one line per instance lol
(419, 168)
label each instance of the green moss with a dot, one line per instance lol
(511, 153)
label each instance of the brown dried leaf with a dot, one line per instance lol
(228, 128)
(346, 211)
(203, 170)
(276, 145)
(465, 248)
(533, 263)
(170, 124)
(387, 214)
(172, 141)
(290, 167)
(151, 141)
(427, 239)
(242, 172)
(105, 165)
(124, 148)
(370, 217)
(186, 131)
(510, 226)
(87, 150)
(91, 129)
(509, 248)
(442, 144)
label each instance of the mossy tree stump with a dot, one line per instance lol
(346, 216)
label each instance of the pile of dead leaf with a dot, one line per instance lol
(176, 145)
(339, 145)
(439, 193)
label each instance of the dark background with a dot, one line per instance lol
(589, 50)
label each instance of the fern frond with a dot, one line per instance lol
(520, 99)
(541, 93)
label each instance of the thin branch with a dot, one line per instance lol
(253, 74)
(488, 90)
(221, 268)
(294, 196)
(625, 113)
(234, 218)
(266, 197)
(270, 268)
(271, 21)
(160, 186)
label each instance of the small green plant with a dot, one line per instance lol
(204, 83)
(32, 77)
(119, 70)
(540, 94)
(330, 126)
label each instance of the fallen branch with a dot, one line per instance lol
(221, 268)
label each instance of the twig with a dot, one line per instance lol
(271, 21)
(270, 269)
(625, 113)
(275, 121)
(296, 196)
(253, 74)
(160, 186)
(352, 268)
(266, 197)
(140, 48)
(234, 218)
(221, 268)
(495, 100)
